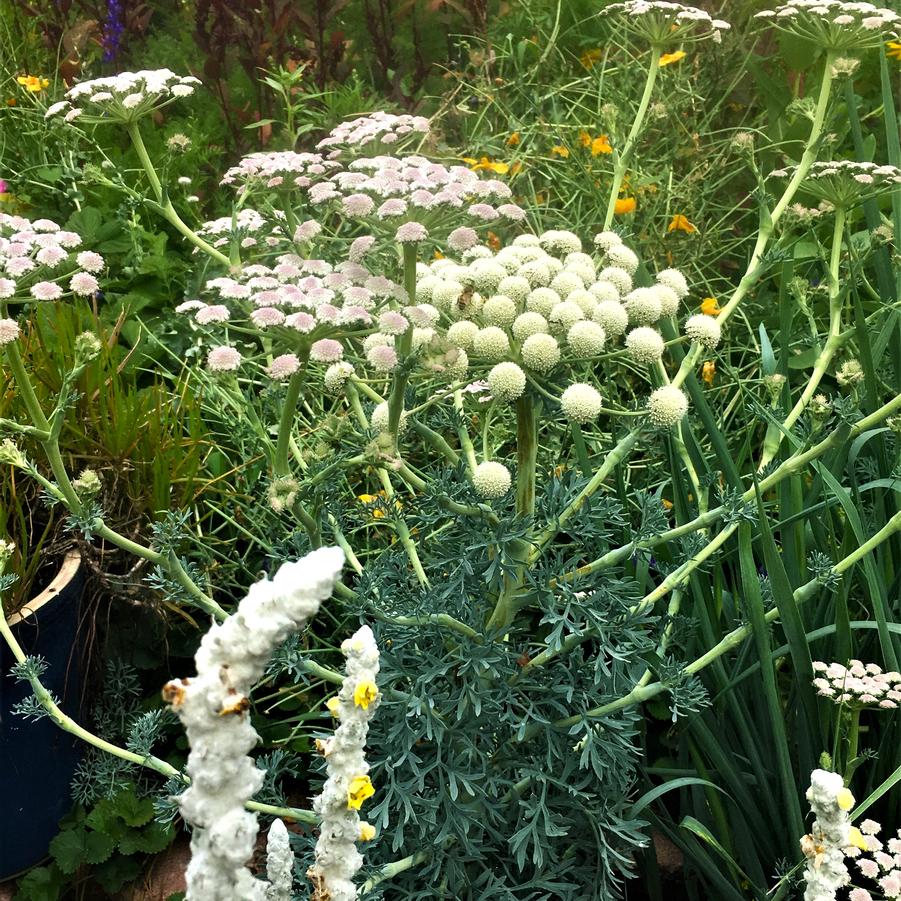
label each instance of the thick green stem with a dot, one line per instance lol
(834, 340)
(526, 455)
(165, 208)
(624, 157)
(280, 467)
(402, 373)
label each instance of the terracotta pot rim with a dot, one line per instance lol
(67, 572)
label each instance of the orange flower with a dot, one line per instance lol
(708, 371)
(601, 144)
(710, 307)
(680, 223)
(513, 140)
(486, 163)
(893, 50)
(540, 199)
(560, 150)
(494, 242)
(516, 168)
(439, 255)
(10, 101)
(669, 58)
(624, 205)
(584, 138)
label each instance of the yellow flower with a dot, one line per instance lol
(680, 223)
(370, 499)
(367, 831)
(34, 84)
(358, 791)
(590, 57)
(669, 58)
(893, 50)
(584, 138)
(438, 256)
(708, 371)
(667, 504)
(364, 694)
(513, 140)
(333, 704)
(624, 205)
(11, 101)
(560, 150)
(857, 840)
(710, 307)
(601, 144)
(516, 168)
(486, 163)
(844, 799)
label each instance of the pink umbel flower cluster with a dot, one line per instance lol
(858, 684)
(39, 260)
(374, 132)
(307, 305)
(880, 863)
(275, 170)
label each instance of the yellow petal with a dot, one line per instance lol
(669, 58)
(844, 799)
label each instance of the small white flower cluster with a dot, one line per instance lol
(247, 227)
(662, 22)
(845, 183)
(125, 97)
(368, 133)
(880, 862)
(41, 261)
(412, 198)
(829, 837)
(213, 708)
(858, 684)
(305, 303)
(275, 170)
(348, 784)
(835, 24)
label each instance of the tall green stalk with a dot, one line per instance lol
(402, 373)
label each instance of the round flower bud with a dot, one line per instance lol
(526, 241)
(529, 324)
(582, 271)
(507, 381)
(382, 357)
(456, 364)
(580, 260)
(486, 275)
(9, 331)
(478, 252)
(422, 337)
(540, 352)
(606, 240)
(703, 329)
(378, 419)
(645, 345)
(462, 333)
(584, 300)
(542, 300)
(586, 339)
(535, 273)
(674, 279)
(491, 480)
(336, 377)
(491, 343)
(446, 293)
(514, 286)
(554, 265)
(667, 406)
(581, 403)
(604, 291)
(642, 305)
(560, 242)
(621, 256)
(669, 300)
(425, 286)
(377, 339)
(564, 315)
(618, 277)
(510, 258)
(499, 310)
(566, 282)
(611, 315)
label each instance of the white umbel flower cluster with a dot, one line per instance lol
(662, 22)
(835, 24)
(123, 98)
(213, 708)
(376, 131)
(845, 183)
(348, 785)
(830, 835)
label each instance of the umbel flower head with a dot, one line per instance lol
(374, 133)
(122, 98)
(285, 169)
(835, 24)
(662, 23)
(858, 684)
(845, 183)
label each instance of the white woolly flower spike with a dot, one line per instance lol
(348, 784)
(830, 835)
(213, 709)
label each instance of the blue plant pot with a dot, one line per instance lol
(38, 759)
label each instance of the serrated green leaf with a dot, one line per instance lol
(40, 884)
(98, 847)
(68, 849)
(117, 872)
(155, 838)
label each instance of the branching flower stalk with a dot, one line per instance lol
(402, 375)
(213, 708)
